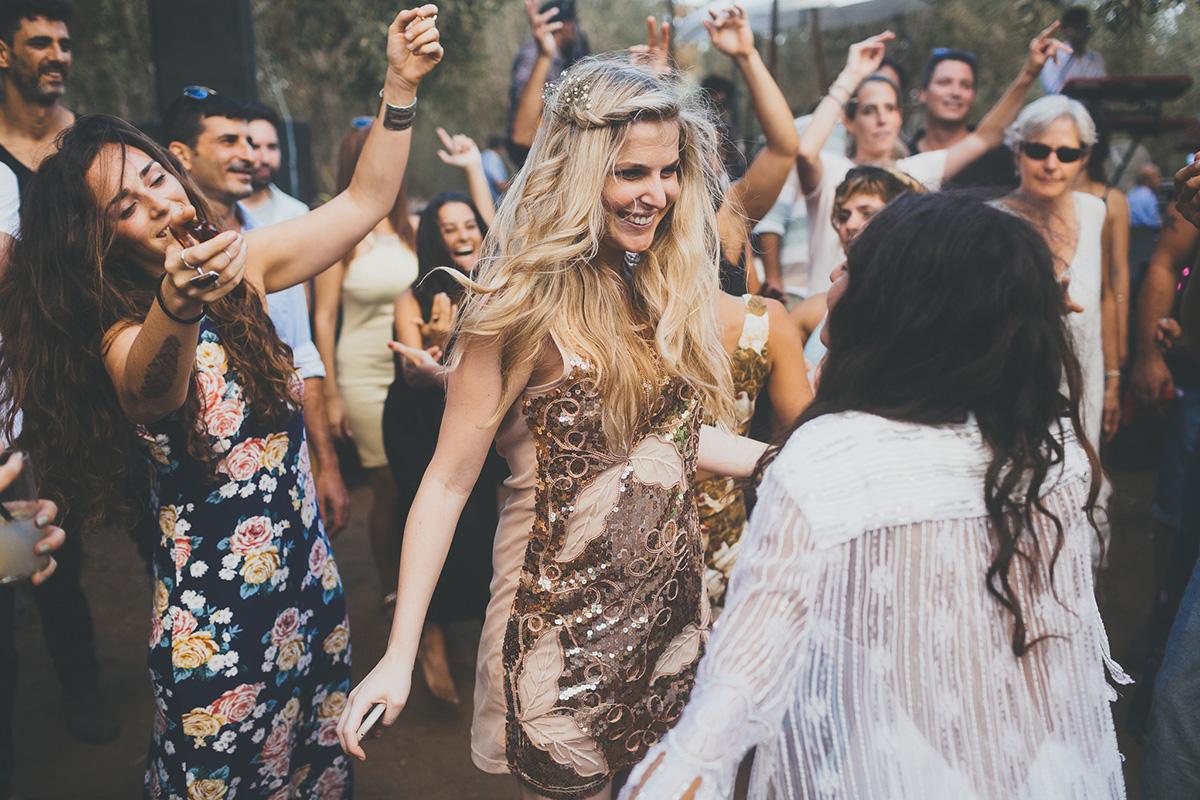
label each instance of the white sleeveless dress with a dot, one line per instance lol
(1085, 272)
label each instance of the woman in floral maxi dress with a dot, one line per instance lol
(249, 556)
(110, 341)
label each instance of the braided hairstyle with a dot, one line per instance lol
(543, 272)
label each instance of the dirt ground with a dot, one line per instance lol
(425, 755)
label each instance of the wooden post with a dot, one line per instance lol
(814, 21)
(773, 48)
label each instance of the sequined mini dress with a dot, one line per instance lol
(598, 614)
(721, 500)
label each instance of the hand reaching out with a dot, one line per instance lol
(460, 150)
(730, 31)
(543, 27)
(655, 54)
(865, 57)
(442, 314)
(1043, 48)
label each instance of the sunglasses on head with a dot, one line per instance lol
(950, 54)
(198, 92)
(1040, 152)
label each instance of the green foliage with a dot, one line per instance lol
(326, 59)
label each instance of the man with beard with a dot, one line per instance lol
(35, 58)
(267, 202)
(211, 136)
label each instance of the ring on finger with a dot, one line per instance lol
(183, 258)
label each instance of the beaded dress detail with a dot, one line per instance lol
(721, 500)
(600, 599)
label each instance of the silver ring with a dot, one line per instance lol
(184, 260)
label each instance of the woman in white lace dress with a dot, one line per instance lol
(913, 615)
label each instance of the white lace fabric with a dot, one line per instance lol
(862, 654)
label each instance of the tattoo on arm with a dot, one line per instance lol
(160, 372)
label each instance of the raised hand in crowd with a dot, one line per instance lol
(729, 30)
(655, 54)
(755, 192)
(543, 26)
(1187, 191)
(529, 105)
(1044, 47)
(460, 150)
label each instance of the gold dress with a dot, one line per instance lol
(720, 500)
(598, 614)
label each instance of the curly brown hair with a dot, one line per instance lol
(67, 288)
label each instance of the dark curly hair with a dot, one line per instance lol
(952, 309)
(67, 288)
(432, 252)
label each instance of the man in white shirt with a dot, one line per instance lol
(267, 202)
(211, 136)
(783, 233)
(1082, 63)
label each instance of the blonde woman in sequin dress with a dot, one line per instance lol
(590, 352)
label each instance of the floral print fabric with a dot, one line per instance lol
(249, 641)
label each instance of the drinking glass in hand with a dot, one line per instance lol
(19, 532)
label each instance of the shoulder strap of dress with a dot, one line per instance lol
(756, 327)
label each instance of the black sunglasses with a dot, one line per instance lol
(198, 92)
(1040, 152)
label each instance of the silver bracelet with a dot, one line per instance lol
(398, 118)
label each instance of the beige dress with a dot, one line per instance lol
(598, 612)
(382, 268)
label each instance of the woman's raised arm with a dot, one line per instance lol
(292, 252)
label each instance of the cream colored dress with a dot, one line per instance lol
(598, 612)
(382, 268)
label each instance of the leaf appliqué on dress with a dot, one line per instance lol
(681, 653)
(654, 462)
(560, 736)
(537, 685)
(557, 734)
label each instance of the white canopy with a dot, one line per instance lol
(793, 14)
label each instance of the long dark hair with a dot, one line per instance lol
(952, 308)
(432, 252)
(68, 285)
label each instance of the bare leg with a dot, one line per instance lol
(528, 794)
(383, 528)
(435, 666)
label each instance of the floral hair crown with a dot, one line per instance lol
(569, 96)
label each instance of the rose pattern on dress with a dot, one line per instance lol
(249, 641)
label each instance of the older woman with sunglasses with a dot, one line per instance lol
(1050, 139)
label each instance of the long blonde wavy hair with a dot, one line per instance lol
(543, 272)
